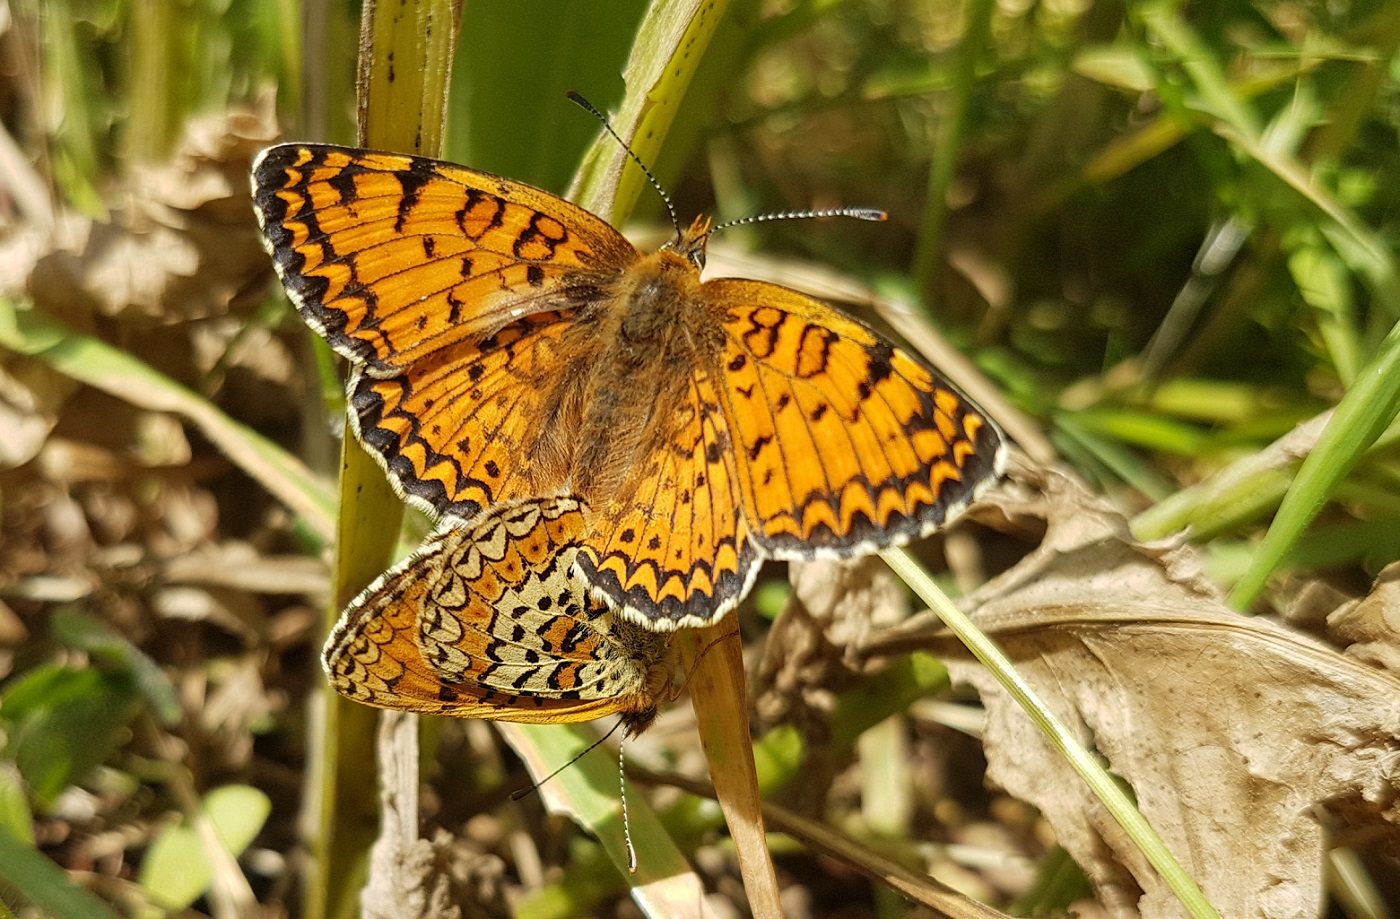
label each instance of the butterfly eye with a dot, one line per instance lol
(697, 257)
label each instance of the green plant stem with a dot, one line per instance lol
(1099, 781)
(406, 52)
(945, 158)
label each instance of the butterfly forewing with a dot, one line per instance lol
(393, 258)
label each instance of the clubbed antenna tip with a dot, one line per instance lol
(859, 213)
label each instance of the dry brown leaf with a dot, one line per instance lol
(236, 703)
(182, 248)
(30, 397)
(1245, 743)
(807, 658)
(834, 607)
(240, 566)
(12, 630)
(234, 612)
(1371, 628)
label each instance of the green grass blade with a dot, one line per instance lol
(589, 793)
(1361, 417)
(528, 129)
(405, 64)
(1099, 781)
(1216, 95)
(669, 46)
(947, 153)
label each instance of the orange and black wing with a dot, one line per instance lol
(844, 443)
(675, 552)
(486, 622)
(461, 430)
(449, 290)
(393, 257)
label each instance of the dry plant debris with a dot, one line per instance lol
(1250, 747)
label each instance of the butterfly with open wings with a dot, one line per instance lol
(506, 344)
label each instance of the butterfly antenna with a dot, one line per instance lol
(523, 793)
(859, 213)
(626, 820)
(665, 198)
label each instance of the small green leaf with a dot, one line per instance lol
(45, 884)
(1325, 285)
(64, 722)
(15, 815)
(770, 597)
(238, 812)
(178, 868)
(1118, 66)
(87, 634)
(44, 688)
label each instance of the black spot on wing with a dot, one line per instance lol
(881, 361)
(344, 183)
(412, 180)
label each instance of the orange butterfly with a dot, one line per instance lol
(485, 621)
(507, 344)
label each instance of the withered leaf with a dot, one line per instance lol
(1247, 745)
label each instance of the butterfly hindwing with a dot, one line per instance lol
(486, 621)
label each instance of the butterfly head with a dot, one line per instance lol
(691, 242)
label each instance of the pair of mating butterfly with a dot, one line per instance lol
(613, 446)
